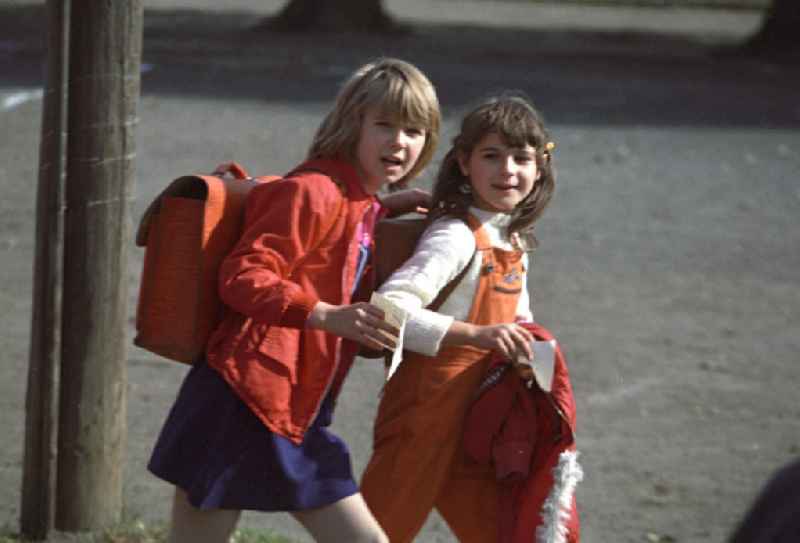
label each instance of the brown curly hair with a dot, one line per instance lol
(514, 118)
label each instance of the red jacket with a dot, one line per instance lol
(298, 247)
(523, 433)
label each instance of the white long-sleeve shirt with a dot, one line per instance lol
(445, 249)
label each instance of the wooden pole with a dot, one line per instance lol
(38, 478)
(105, 58)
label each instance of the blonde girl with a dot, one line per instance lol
(249, 429)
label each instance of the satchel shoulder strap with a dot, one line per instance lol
(480, 244)
(451, 286)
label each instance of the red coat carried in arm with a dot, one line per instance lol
(529, 437)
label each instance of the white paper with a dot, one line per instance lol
(396, 316)
(544, 361)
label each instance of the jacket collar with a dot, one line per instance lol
(341, 171)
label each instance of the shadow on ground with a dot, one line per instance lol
(578, 77)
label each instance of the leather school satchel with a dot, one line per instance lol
(395, 240)
(187, 231)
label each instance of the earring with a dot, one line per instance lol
(465, 189)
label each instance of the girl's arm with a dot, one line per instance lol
(509, 339)
(360, 322)
(443, 251)
(283, 221)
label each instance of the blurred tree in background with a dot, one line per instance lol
(781, 29)
(779, 34)
(328, 16)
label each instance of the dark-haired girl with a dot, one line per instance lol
(493, 185)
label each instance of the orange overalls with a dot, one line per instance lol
(418, 461)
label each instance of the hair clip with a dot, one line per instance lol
(549, 147)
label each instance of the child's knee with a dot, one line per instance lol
(192, 525)
(377, 536)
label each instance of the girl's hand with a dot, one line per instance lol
(510, 340)
(407, 201)
(361, 322)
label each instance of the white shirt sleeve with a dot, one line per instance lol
(443, 251)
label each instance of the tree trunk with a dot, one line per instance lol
(328, 16)
(105, 51)
(41, 401)
(781, 29)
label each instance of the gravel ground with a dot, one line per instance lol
(668, 259)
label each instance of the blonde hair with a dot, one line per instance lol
(397, 88)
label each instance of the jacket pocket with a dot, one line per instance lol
(280, 345)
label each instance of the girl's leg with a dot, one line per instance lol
(349, 519)
(192, 525)
(469, 503)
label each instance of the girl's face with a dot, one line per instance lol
(387, 150)
(501, 176)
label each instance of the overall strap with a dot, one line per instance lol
(451, 286)
(482, 241)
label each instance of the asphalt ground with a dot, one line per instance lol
(668, 260)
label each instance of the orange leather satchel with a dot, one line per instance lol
(187, 231)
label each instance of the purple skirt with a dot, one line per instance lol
(214, 448)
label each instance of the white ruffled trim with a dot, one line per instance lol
(557, 508)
